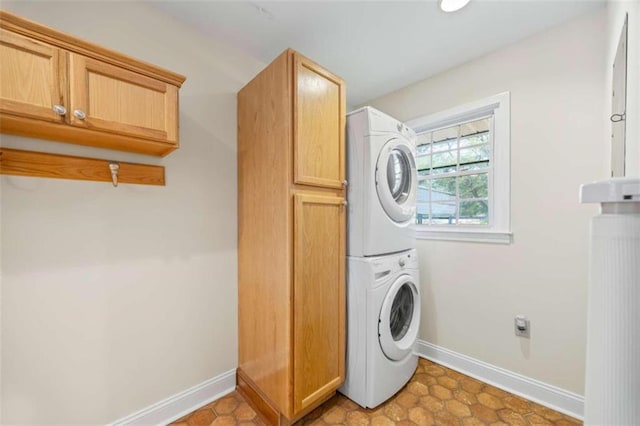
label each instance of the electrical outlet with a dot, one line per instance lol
(522, 326)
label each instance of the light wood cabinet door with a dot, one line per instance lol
(319, 125)
(319, 297)
(121, 101)
(32, 77)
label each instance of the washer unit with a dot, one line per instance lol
(381, 171)
(383, 315)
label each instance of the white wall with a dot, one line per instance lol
(616, 11)
(471, 291)
(116, 298)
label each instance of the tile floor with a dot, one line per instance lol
(435, 396)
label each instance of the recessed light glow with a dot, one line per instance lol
(453, 5)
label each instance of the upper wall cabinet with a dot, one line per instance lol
(57, 87)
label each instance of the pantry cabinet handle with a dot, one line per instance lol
(345, 183)
(79, 114)
(59, 109)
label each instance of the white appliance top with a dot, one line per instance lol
(614, 190)
(378, 121)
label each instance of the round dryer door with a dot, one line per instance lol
(399, 318)
(396, 180)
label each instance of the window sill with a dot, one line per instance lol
(492, 237)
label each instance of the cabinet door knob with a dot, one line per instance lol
(344, 202)
(59, 109)
(79, 114)
(345, 183)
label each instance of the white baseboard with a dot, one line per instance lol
(178, 405)
(542, 393)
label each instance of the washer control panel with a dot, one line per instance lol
(395, 262)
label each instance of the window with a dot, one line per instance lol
(463, 172)
(453, 174)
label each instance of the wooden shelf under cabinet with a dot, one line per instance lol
(57, 87)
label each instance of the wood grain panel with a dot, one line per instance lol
(70, 43)
(319, 125)
(264, 233)
(263, 407)
(125, 102)
(38, 164)
(120, 101)
(79, 135)
(319, 289)
(30, 77)
(254, 396)
(171, 114)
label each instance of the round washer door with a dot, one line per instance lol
(396, 180)
(399, 318)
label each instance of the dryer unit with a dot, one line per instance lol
(383, 315)
(383, 181)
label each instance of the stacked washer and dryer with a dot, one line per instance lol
(383, 296)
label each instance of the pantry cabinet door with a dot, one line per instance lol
(319, 125)
(319, 297)
(32, 78)
(109, 98)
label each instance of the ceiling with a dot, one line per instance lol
(376, 46)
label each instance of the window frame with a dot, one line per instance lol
(499, 177)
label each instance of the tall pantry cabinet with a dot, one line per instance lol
(291, 237)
